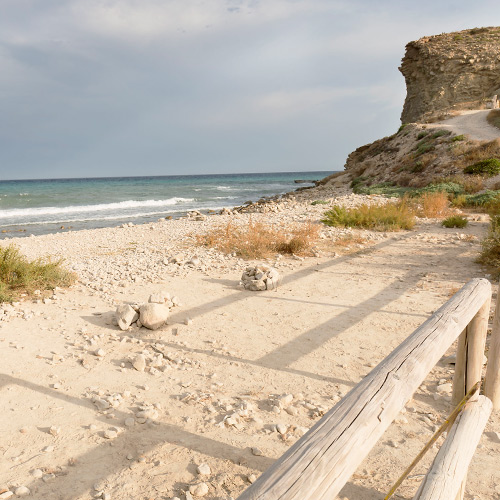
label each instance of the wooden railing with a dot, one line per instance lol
(319, 464)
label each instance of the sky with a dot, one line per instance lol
(95, 88)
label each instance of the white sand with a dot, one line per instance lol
(331, 321)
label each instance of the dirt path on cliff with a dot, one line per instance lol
(471, 123)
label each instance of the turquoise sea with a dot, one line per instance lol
(43, 206)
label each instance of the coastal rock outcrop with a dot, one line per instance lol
(451, 71)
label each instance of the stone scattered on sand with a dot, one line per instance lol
(6, 494)
(139, 362)
(110, 434)
(37, 473)
(257, 452)
(252, 478)
(203, 469)
(22, 491)
(199, 490)
(154, 316)
(126, 315)
(260, 278)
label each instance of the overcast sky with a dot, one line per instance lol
(165, 87)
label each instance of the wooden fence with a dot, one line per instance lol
(319, 464)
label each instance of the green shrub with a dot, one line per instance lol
(19, 275)
(357, 181)
(447, 187)
(382, 189)
(319, 202)
(458, 138)
(455, 221)
(422, 134)
(423, 147)
(489, 167)
(476, 200)
(388, 217)
(440, 133)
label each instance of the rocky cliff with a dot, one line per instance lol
(451, 71)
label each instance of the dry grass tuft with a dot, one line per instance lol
(433, 205)
(19, 275)
(258, 240)
(388, 217)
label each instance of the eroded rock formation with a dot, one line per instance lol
(450, 71)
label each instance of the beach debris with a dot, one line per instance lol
(260, 277)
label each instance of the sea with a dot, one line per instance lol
(45, 206)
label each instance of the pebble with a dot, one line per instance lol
(48, 449)
(129, 422)
(281, 428)
(199, 490)
(100, 353)
(257, 452)
(204, 469)
(22, 491)
(252, 478)
(139, 363)
(110, 434)
(6, 494)
(37, 473)
(54, 430)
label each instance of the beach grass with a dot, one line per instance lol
(258, 240)
(387, 217)
(19, 275)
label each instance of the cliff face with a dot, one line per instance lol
(450, 71)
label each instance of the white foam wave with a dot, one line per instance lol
(73, 209)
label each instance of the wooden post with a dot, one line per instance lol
(492, 377)
(445, 480)
(470, 353)
(319, 464)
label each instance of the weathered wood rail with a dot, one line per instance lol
(319, 464)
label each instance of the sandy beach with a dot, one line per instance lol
(235, 377)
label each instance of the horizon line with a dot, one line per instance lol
(107, 177)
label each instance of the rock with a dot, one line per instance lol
(139, 362)
(129, 422)
(252, 478)
(285, 400)
(110, 434)
(281, 428)
(445, 388)
(260, 278)
(257, 452)
(150, 413)
(159, 298)
(6, 494)
(154, 316)
(199, 490)
(37, 473)
(101, 404)
(195, 261)
(22, 491)
(54, 430)
(125, 316)
(203, 469)
(100, 353)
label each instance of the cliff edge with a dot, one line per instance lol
(451, 71)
